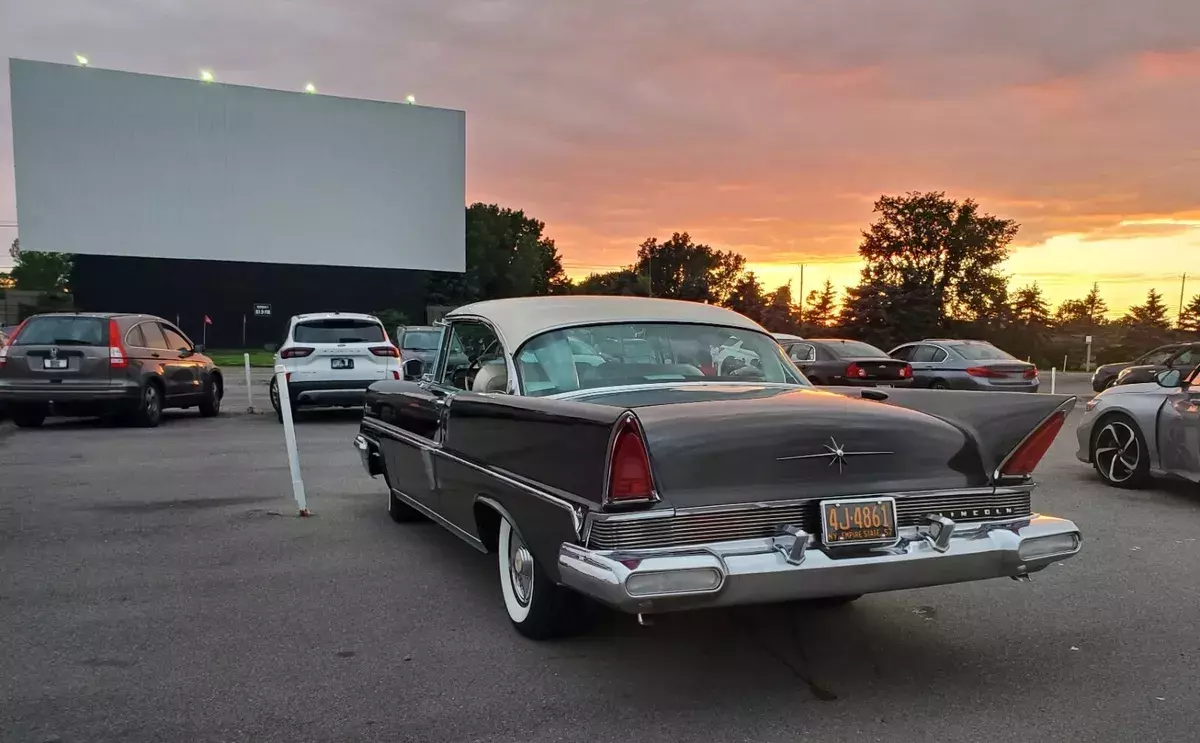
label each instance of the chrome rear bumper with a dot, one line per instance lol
(793, 566)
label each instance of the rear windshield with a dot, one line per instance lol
(338, 331)
(854, 350)
(982, 352)
(421, 340)
(63, 331)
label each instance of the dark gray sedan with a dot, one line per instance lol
(946, 364)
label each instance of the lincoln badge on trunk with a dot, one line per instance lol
(600, 449)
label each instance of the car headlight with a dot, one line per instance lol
(1087, 407)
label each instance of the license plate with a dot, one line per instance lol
(858, 521)
(54, 363)
(341, 363)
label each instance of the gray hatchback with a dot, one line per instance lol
(128, 366)
(946, 364)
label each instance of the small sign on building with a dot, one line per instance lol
(262, 310)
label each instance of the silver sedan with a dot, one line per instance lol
(1131, 433)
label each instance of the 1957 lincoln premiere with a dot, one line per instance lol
(593, 443)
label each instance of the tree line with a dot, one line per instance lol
(931, 267)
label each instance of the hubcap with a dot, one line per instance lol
(151, 400)
(1117, 452)
(520, 570)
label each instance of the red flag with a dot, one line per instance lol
(207, 320)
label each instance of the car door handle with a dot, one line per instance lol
(154, 355)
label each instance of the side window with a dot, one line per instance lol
(135, 338)
(904, 353)
(175, 341)
(924, 354)
(474, 359)
(802, 352)
(939, 355)
(154, 336)
(1188, 358)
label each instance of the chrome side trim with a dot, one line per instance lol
(430, 446)
(1065, 408)
(467, 537)
(596, 391)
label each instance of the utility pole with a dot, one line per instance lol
(650, 271)
(1182, 289)
(801, 302)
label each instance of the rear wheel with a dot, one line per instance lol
(275, 400)
(150, 406)
(29, 417)
(938, 384)
(538, 608)
(211, 404)
(1119, 453)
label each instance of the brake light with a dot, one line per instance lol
(1031, 373)
(1022, 462)
(629, 466)
(295, 352)
(906, 372)
(116, 351)
(12, 339)
(386, 351)
(983, 371)
(854, 370)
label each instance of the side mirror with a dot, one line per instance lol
(199, 348)
(1169, 378)
(413, 368)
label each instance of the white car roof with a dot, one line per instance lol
(786, 337)
(522, 318)
(333, 316)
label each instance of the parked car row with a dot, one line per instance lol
(934, 363)
(1179, 356)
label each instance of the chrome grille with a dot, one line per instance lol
(767, 521)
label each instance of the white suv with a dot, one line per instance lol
(332, 357)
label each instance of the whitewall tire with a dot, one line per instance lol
(538, 608)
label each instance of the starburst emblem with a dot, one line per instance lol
(836, 454)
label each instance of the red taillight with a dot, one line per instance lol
(12, 339)
(854, 370)
(1026, 457)
(295, 352)
(1031, 373)
(116, 350)
(629, 466)
(386, 351)
(906, 372)
(395, 375)
(983, 371)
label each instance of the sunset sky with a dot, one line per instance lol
(766, 126)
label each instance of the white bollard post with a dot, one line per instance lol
(1053, 379)
(289, 437)
(249, 387)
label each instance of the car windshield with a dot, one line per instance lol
(58, 330)
(339, 331)
(421, 340)
(639, 353)
(854, 350)
(982, 352)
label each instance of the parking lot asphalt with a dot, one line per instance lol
(156, 585)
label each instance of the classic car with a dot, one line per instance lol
(669, 484)
(1133, 432)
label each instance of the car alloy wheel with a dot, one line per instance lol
(1118, 453)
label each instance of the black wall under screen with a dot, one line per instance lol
(228, 291)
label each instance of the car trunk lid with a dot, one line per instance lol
(341, 349)
(878, 370)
